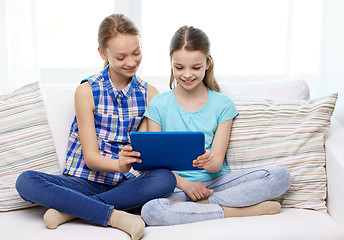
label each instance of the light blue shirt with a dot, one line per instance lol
(164, 110)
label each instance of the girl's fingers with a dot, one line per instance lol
(130, 153)
(127, 148)
(133, 154)
(193, 198)
(203, 163)
(205, 155)
(202, 194)
(132, 160)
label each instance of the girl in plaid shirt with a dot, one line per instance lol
(98, 184)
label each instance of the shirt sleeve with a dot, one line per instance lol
(153, 112)
(227, 110)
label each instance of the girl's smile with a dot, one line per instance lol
(188, 82)
(131, 70)
(189, 68)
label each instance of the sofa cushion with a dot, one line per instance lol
(26, 142)
(263, 89)
(277, 90)
(290, 224)
(288, 134)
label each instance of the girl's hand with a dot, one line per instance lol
(197, 190)
(126, 157)
(204, 160)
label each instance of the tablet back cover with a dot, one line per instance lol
(169, 150)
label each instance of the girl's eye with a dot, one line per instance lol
(120, 59)
(179, 68)
(137, 53)
(197, 68)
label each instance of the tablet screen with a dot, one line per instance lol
(169, 150)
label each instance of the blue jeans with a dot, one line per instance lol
(233, 189)
(91, 201)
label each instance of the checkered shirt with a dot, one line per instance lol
(116, 114)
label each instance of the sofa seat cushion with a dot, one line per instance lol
(295, 224)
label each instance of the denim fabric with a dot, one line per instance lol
(91, 201)
(233, 189)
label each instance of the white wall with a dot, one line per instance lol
(333, 56)
(18, 59)
(329, 79)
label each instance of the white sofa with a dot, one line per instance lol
(291, 223)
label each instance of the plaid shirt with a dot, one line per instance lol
(116, 114)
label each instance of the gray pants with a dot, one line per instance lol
(233, 189)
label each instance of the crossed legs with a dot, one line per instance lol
(240, 193)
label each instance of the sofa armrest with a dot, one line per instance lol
(335, 172)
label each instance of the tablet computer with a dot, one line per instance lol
(169, 150)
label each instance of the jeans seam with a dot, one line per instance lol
(107, 218)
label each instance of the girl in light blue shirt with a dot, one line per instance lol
(196, 104)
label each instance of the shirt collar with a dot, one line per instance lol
(125, 92)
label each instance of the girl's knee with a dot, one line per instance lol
(166, 179)
(281, 177)
(23, 181)
(166, 174)
(284, 175)
(153, 212)
(24, 177)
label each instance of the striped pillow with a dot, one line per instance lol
(26, 142)
(288, 134)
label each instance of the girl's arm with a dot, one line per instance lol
(212, 161)
(153, 126)
(84, 107)
(151, 92)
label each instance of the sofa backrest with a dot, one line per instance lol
(59, 102)
(273, 90)
(268, 89)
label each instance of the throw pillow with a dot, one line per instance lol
(288, 134)
(25, 142)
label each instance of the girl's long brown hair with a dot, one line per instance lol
(194, 39)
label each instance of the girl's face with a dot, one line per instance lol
(124, 55)
(189, 68)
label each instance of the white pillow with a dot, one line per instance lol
(26, 142)
(288, 134)
(278, 90)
